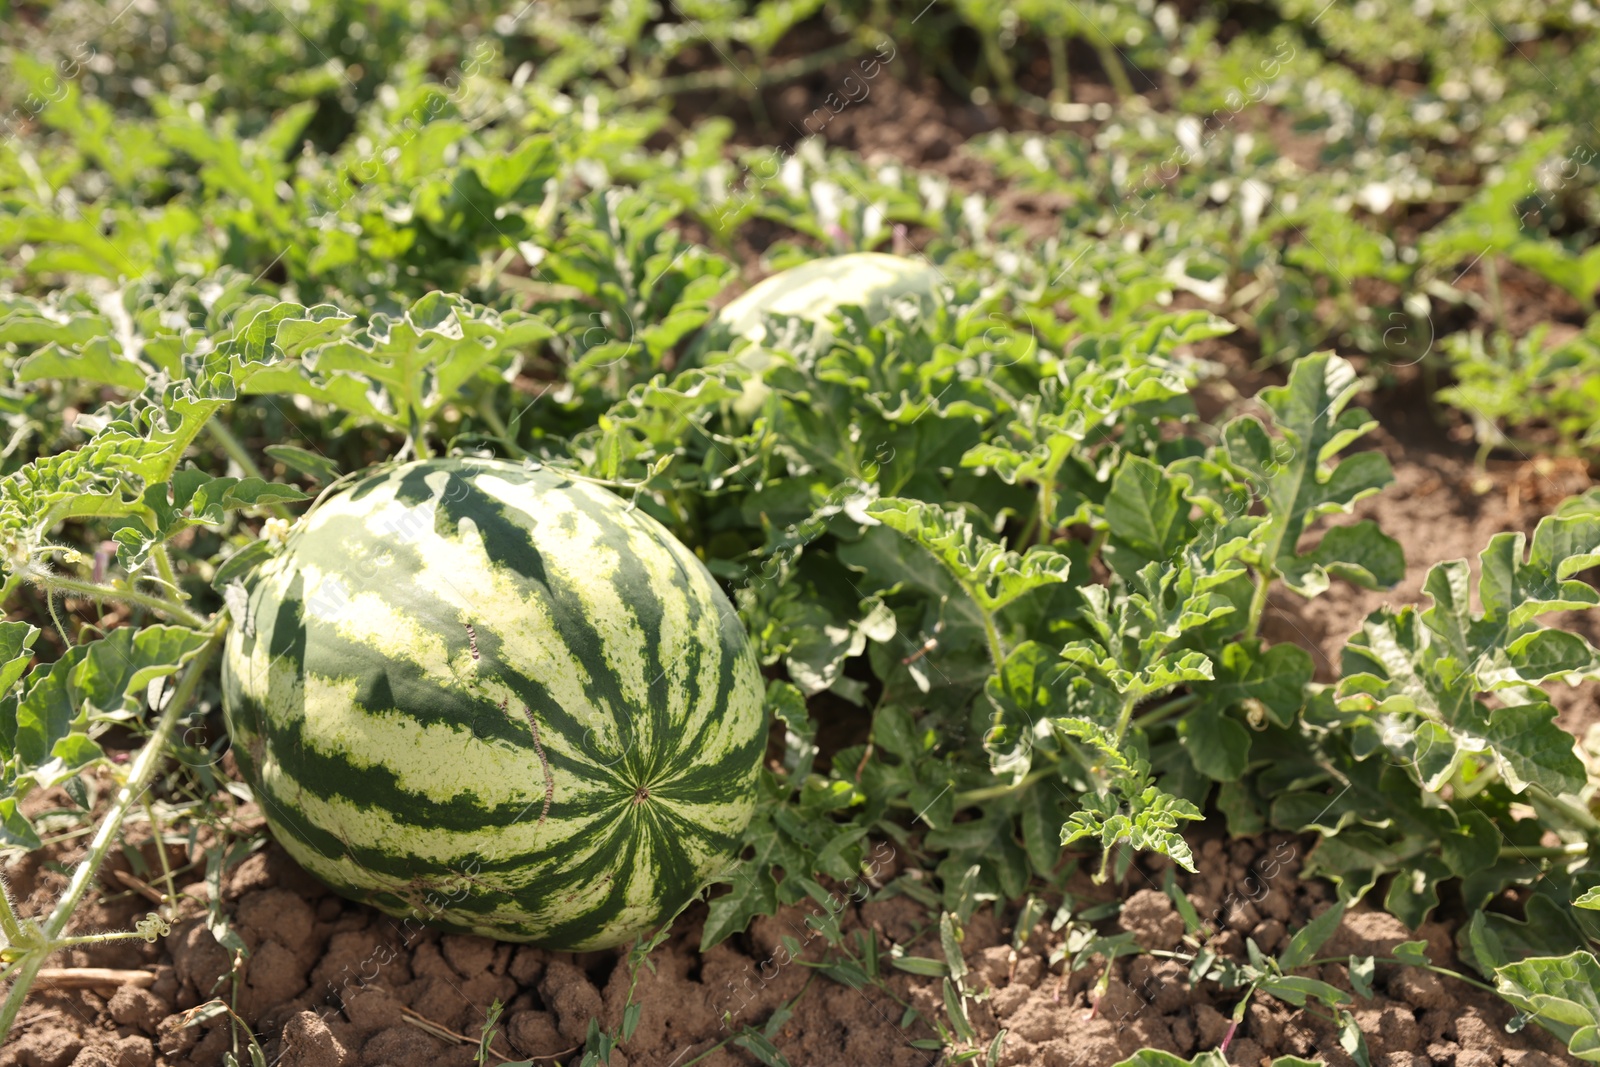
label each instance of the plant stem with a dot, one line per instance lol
(1572, 812)
(1060, 81)
(419, 445)
(58, 583)
(161, 853)
(1447, 972)
(169, 577)
(9, 925)
(702, 81)
(489, 415)
(973, 796)
(1115, 71)
(96, 939)
(707, 1052)
(996, 650)
(1124, 717)
(1531, 852)
(139, 776)
(1000, 67)
(1258, 602)
(234, 448)
(1491, 277)
(1163, 711)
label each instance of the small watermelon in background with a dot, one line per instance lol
(813, 291)
(499, 700)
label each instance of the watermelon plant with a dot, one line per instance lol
(384, 415)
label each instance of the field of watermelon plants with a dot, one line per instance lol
(800, 532)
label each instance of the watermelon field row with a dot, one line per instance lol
(799, 531)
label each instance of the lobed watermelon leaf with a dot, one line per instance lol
(1562, 993)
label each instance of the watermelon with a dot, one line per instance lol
(816, 289)
(811, 291)
(499, 700)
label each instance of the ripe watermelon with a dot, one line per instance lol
(816, 289)
(811, 291)
(499, 700)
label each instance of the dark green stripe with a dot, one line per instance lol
(620, 859)
(391, 684)
(636, 589)
(332, 776)
(511, 545)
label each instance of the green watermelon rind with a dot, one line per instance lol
(395, 660)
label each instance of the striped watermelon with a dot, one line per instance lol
(498, 700)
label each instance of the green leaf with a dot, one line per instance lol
(1275, 680)
(519, 174)
(116, 669)
(1576, 272)
(312, 464)
(1129, 808)
(242, 563)
(1472, 845)
(1297, 989)
(1238, 806)
(992, 1057)
(1218, 746)
(956, 1009)
(1302, 947)
(950, 942)
(15, 829)
(992, 575)
(758, 1045)
(1352, 1040)
(1362, 970)
(788, 706)
(398, 371)
(1414, 892)
(1041, 829)
(1023, 692)
(752, 894)
(1146, 509)
(1531, 748)
(1420, 684)
(818, 637)
(1135, 626)
(1412, 952)
(47, 712)
(1514, 592)
(928, 968)
(1297, 481)
(1151, 1057)
(16, 651)
(97, 360)
(1562, 993)
(1361, 554)
(1590, 898)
